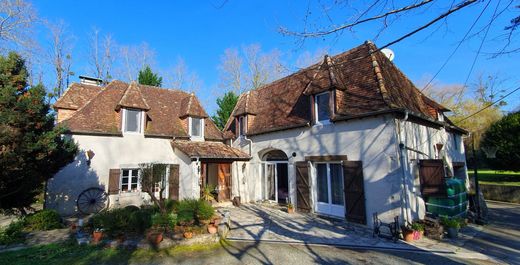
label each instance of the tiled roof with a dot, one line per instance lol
(190, 106)
(76, 96)
(102, 114)
(365, 82)
(209, 150)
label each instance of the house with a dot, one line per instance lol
(120, 126)
(347, 137)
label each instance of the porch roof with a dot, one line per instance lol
(209, 150)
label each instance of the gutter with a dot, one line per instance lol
(404, 166)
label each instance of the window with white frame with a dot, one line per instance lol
(132, 120)
(129, 180)
(241, 126)
(456, 141)
(196, 127)
(322, 108)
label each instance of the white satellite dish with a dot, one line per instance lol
(388, 53)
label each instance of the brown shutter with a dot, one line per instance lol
(173, 183)
(113, 181)
(303, 188)
(355, 210)
(431, 175)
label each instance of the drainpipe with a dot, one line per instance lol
(404, 166)
(197, 161)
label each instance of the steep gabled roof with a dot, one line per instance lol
(76, 96)
(365, 82)
(102, 114)
(190, 106)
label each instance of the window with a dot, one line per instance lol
(196, 127)
(129, 180)
(456, 142)
(330, 183)
(322, 108)
(132, 120)
(241, 126)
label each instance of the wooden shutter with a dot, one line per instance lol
(113, 181)
(173, 182)
(431, 175)
(303, 187)
(354, 188)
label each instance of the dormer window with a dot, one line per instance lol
(132, 121)
(241, 126)
(196, 126)
(322, 108)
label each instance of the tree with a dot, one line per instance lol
(32, 149)
(250, 68)
(101, 57)
(60, 56)
(504, 135)
(17, 20)
(180, 77)
(133, 58)
(153, 179)
(226, 104)
(147, 77)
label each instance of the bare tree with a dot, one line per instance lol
(17, 20)
(308, 58)
(60, 56)
(181, 77)
(250, 68)
(133, 58)
(101, 55)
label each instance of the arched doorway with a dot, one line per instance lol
(275, 176)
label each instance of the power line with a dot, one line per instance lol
(456, 48)
(493, 103)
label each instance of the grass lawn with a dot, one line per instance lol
(487, 176)
(70, 253)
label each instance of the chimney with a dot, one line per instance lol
(87, 80)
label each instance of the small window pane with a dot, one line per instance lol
(323, 110)
(196, 127)
(241, 125)
(125, 173)
(133, 120)
(124, 180)
(135, 173)
(323, 189)
(336, 184)
(134, 186)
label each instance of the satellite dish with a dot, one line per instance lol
(388, 53)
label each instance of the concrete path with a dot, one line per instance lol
(271, 224)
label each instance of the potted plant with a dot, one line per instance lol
(408, 235)
(418, 230)
(207, 193)
(97, 235)
(188, 233)
(160, 224)
(290, 208)
(212, 229)
(452, 226)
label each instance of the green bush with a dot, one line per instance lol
(123, 220)
(204, 210)
(141, 220)
(44, 220)
(417, 226)
(186, 210)
(13, 233)
(451, 222)
(164, 221)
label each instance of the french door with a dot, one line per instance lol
(330, 198)
(276, 181)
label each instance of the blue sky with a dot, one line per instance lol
(199, 32)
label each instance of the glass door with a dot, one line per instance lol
(329, 189)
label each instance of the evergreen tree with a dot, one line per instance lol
(226, 104)
(147, 77)
(32, 149)
(505, 136)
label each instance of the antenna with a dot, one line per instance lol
(388, 53)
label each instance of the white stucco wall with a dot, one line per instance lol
(115, 152)
(371, 140)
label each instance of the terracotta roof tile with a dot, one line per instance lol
(190, 106)
(364, 81)
(102, 115)
(209, 150)
(76, 96)
(133, 98)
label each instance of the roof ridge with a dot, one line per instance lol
(89, 101)
(377, 72)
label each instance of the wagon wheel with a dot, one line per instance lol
(92, 200)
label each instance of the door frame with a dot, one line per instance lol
(263, 166)
(334, 210)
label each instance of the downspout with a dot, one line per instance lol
(197, 161)
(404, 166)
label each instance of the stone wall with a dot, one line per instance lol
(501, 193)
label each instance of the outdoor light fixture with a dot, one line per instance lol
(90, 154)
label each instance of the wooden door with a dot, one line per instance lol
(355, 209)
(224, 182)
(173, 182)
(431, 175)
(303, 187)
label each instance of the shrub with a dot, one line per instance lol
(450, 222)
(417, 226)
(123, 220)
(186, 210)
(44, 220)
(13, 233)
(204, 210)
(164, 221)
(141, 220)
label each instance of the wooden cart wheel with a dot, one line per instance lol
(92, 200)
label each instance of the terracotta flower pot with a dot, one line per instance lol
(155, 238)
(408, 235)
(97, 236)
(290, 210)
(188, 235)
(416, 234)
(212, 229)
(216, 221)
